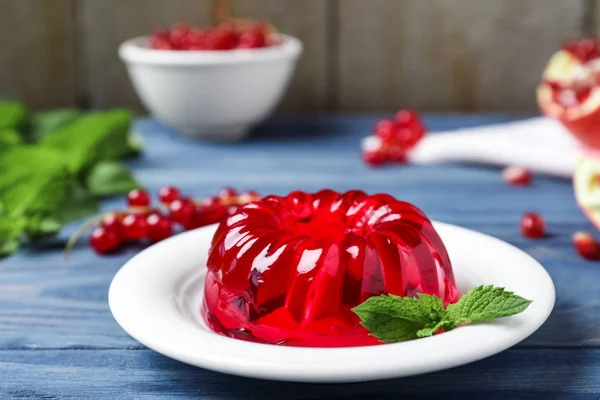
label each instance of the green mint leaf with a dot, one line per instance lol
(33, 180)
(78, 203)
(389, 329)
(9, 137)
(396, 307)
(41, 228)
(47, 122)
(430, 329)
(14, 115)
(135, 144)
(485, 303)
(110, 178)
(11, 230)
(394, 319)
(92, 138)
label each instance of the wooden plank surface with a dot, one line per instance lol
(449, 55)
(58, 339)
(306, 20)
(103, 25)
(36, 52)
(144, 374)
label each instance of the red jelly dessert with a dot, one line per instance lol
(288, 270)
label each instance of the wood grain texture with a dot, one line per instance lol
(104, 25)
(307, 20)
(48, 303)
(440, 55)
(144, 374)
(58, 339)
(36, 52)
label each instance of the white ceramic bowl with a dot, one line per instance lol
(215, 95)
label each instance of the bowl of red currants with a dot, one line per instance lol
(215, 83)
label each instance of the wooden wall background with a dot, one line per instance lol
(360, 55)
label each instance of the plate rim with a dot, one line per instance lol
(338, 369)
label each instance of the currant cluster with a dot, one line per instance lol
(225, 36)
(393, 139)
(585, 49)
(143, 221)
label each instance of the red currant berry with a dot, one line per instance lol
(182, 211)
(533, 226)
(586, 245)
(159, 227)
(517, 176)
(407, 118)
(221, 38)
(386, 130)
(248, 196)
(135, 226)
(253, 38)
(112, 221)
(178, 36)
(213, 210)
(104, 240)
(227, 193)
(138, 198)
(168, 194)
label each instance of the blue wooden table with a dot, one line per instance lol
(58, 339)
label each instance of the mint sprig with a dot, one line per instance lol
(393, 318)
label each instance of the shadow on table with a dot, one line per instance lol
(522, 372)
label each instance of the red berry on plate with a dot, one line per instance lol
(386, 130)
(248, 196)
(221, 38)
(135, 226)
(533, 226)
(253, 38)
(168, 194)
(104, 240)
(407, 137)
(178, 36)
(138, 198)
(586, 245)
(396, 154)
(517, 176)
(182, 211)
(159, 227)
(373, 152)
(213, 211)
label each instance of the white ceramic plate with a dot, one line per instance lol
(156, 298)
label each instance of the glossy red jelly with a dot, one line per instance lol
(288, 270)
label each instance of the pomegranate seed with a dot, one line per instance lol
(135, 226)
(182, 211)
(386, 130)
(159, 227)
(532, 226)
(168, 194)
(138, 198)
(586, 245)
(104, 240)
(517, 176)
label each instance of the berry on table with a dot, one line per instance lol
(386, 129)
(138, 198)
(517, 176)
(586, 245)
(227, 193)
(212, 210)
(104, 240)
(159, 227)
(112, 221)
(182, 211)
(168, 194)
(135, 226)
(533, 226)
(407, 118)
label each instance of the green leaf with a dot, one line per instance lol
(394, 306)
(9, 137)
(92, 138)
(34, 180)
(79, 203)
(11, 230)
(47, 122)
(39, 227)
(389, 329)
(135, 144)
(110, 178)
(485, 303)
(13, 115)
